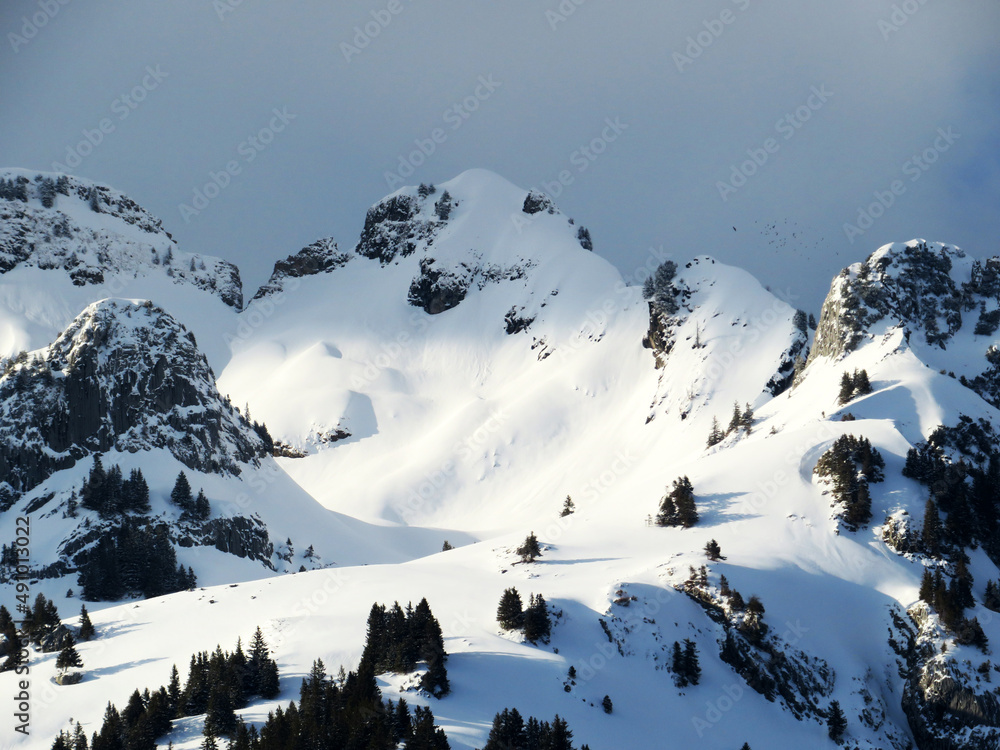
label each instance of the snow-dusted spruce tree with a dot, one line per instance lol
(530, 549)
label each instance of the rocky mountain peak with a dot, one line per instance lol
(97, 235)
(124, 375)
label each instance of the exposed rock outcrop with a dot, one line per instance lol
(38, 229)
(123, 375)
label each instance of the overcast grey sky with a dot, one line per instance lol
(823, 105)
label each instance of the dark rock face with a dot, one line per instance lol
(239, 536)
(917, 286)
(124, 376)
(929, 291)
(44, 236)
(784, 376)
(392, 228)
(515, 322)
(54, 641)
(943, 711)
(321, 256)
(436, 290)
(536, 202)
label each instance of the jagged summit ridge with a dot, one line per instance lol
(98, 235)
(321, 256)
(943, 302)
(124, 375)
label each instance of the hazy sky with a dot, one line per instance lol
(833, 100)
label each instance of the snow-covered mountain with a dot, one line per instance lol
(66, 242)
(456, 374)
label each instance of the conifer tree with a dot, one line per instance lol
(862, 386)
(930, 534)
(927, 587)
(530, 549)
(510, 612)
(568, 507)
(174, 692)
(846, 389)
(715, 434)
(753, 624)
(537, 625)
(181, 493)
(836, 722)
(737, 419)
(202, 508)
(607, 705)
(677, 666)
(713, 551)
(86, 626)
(991, 598)
(68, 658)
(960, 590)
(689, 661)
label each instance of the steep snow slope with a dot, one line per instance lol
(470, 363)
(126, 381)
(828, 597)
(527, 382)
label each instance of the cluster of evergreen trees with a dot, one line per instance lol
(511, 732)
(684, 664)
(132, 559)
(47, 190)
(398, 639)
(851, 464)
(347, 712)
(677, 508)
(991, 597)
(659, 288)
(14, 190)
(853, 385)
(742, 419)
(534, 621)
(444, 205)
(108, 493)
(950, 600)
(752, 625)
(968, 494)
(194, 508)
(41, 619)
(216, 685)
(836, 722)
